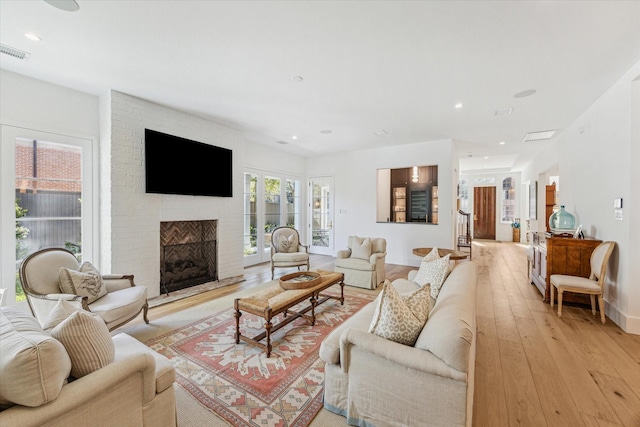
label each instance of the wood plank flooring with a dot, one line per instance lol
(532, 368)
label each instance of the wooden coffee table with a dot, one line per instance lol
(454, 255)
(273, 300)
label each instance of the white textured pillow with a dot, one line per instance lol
(420, 277)
(434, 273)
(400, 317)
(361, 247)
(86, 282)
(87, 341)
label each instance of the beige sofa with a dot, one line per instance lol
(362, 263)
(376, 382)
(136, 389)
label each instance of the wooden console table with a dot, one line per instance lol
(273, 300)
(455, 255)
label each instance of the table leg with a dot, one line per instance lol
(341, 292)
(312, 301)
(237, 315)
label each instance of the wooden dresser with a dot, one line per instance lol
(562, 255)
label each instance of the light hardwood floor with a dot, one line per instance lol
(532, 368)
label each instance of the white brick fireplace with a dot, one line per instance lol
(130, 219)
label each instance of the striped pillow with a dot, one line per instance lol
(87, 341)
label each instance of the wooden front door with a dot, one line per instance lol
(484, 213)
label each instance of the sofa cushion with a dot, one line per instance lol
(435, 273)
(361, 248)
(400, 317)
(87, 341)
(120, 304)
(330, 346)
(452, 323)
(86, 282)
(33, 365)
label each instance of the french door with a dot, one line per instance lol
(321, 215)
(270, 201)
(47, 198)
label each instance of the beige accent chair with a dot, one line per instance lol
(593, 286)
(286, 249)
(39, 273)
(362, 263)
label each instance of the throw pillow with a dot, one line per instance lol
(86, 281)
(60, 312)
(87, 341)
(421, 277)
(361, 248)
(400, 317)
(287, 244)
(434, 273)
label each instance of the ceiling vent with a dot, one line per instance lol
(539, 136)
(12, 51)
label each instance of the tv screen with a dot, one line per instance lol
(175, 165)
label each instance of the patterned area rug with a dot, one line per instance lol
(238, 382)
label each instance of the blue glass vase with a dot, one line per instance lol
(562, 221)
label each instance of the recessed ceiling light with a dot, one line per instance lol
(486, 157)
(66, 5)
(458, 105)
(297, 79)
(294, 136)
(326, 131)
(525, 93)
(34, 37)
(282, 142)
(380, 132)
(501, 143)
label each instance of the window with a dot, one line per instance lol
(463, 195)
(48, 203)
(250, 214)
(508, 200)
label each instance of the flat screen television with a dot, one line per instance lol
(175, 165)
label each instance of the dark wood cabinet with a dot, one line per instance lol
(566, 255)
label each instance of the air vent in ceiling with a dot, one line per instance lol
(539, 136)
(12, 51)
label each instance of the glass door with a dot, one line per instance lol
(49, 201)
(321, 211)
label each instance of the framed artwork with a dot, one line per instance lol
(533, 198)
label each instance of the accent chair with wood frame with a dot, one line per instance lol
(593, 286)
(286, 249)
(40, 278)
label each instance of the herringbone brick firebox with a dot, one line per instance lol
(188, 254)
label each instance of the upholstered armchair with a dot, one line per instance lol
(286, 249)
(362, 263)
(51, 274)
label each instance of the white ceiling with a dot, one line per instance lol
(366, 65)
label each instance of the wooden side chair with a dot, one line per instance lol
(593, 286)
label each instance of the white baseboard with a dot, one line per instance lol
(629, 324)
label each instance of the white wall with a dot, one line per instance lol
(597, 160)
(355, 177)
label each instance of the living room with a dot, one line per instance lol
(595, 156)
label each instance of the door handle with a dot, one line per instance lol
(475, 217)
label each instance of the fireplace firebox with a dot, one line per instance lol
(188, 254)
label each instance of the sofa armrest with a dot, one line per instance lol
(412, 275)
(303, 248)
(115, 282)
(403, 355)
(126, 385)
(344, 253)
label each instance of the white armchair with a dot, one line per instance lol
(286, 249)
(40, 273)
(362, 263)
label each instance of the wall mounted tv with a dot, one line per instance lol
(175, 165)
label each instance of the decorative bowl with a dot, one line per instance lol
(300, 280)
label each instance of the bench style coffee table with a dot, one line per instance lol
(273, 300)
